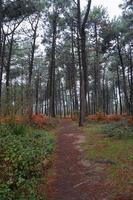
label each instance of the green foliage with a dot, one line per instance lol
(115, 153)
(17, 129)
(98, 14)
(22, 152)
(99, 147)
(13, 10)
(119, 130)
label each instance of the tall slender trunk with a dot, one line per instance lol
(63, 100)
(60, 102)
(31, 65)
(119, 89)
(97, 73)
(46, 101)
(127, 104)
(82, 93)
(95, 88)
(52, 69)
(37, 93)
(103, 88)
(82, 60)
(1, 69)
(115, 98)
(1, 22)
(131, 75)
(8, 68)
(22, 94)
(107, 98)
(84, 67)
(73, 65)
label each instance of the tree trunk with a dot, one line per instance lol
(82, 92)
(73, 65)
(119, 89)
(82, 59)
(1, 22)
(84, 68)
(63, 98)
(131, 84)
(2, 68)
(127, 104)
(103, 88)
(97, 73)
(31, 64)
(8, 68)
(37, 94)
(52, 69)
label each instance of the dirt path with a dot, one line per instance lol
(73, 178)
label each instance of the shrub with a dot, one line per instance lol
(102, 117)
(39, 119)
(97, 117)
(131, 120)
(22, 151)
(43, 122)
(111, 118)
(75, 117)
(13, 119)
(119, 130)
(17, 129)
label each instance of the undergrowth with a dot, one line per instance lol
(22, 151)
(118, 130)
(112, 144)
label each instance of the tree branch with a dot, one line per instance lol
(75, 2)
(86, 14)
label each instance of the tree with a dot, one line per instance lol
(82, 59)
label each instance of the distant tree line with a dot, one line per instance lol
(58, 59)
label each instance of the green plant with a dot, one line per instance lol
(113, 150)
(118, 130)
(22, 152)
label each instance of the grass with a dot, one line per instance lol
(112, 142)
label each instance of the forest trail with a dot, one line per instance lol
(72, 177)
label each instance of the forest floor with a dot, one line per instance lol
(73, 177)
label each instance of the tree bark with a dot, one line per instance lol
(127, 104)
(82, 60)
(37, 93)
(97, 73)
(8, 68)
(73, 66)
(119, 89)
(31, 65)
(131, 83)
(1, 22)
(52, 69)
(2, 68)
